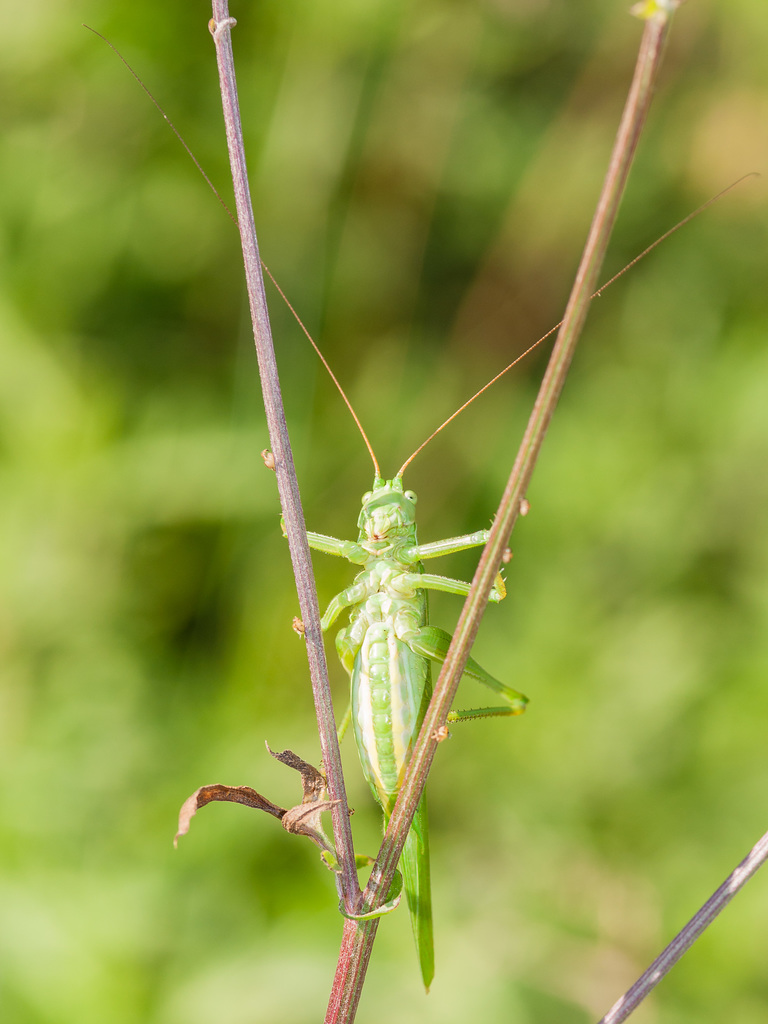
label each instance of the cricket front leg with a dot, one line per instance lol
(448, 546)
(333, 546)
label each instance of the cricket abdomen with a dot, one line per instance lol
(387, 688)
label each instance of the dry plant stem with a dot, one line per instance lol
(357, 939)
(287, 484)
(683, 941)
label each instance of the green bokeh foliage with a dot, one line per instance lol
(423, 176)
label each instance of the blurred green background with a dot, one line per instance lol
(423, 177)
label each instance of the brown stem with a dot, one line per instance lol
(287, 484)
(683, 941)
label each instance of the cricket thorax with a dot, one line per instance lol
(391, 596)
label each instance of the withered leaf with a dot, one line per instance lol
(232, 794)
(312, 780)
(303, 819)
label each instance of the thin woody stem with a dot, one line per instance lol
(358, 940)
(683, 941)
(287, 483)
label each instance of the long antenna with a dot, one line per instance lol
(600, 290)
(232, 217)
(168, 121)
(324, 361)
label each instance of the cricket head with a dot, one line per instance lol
(388, 511)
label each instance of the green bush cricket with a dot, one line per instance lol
(387, 649)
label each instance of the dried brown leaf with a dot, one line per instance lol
(231, 794)
(312, 779)
(303, 819)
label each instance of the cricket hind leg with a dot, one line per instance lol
(433, 642)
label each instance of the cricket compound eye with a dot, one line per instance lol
(410, 496)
